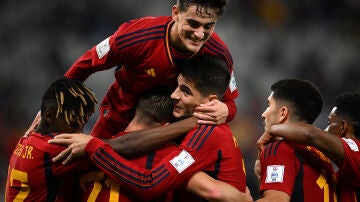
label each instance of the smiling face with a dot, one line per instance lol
(192, 29)
(186, 98)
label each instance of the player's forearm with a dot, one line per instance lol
(307, 134)
(298, 133)
(81, 68)
(144, 141)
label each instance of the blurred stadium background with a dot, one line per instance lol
(318, 40)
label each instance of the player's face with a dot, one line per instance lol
(272, 112)
(186, 98)
(191, 31)
(334, 123)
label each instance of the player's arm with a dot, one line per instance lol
(128, 145)
(144, 141)
(274, 195)
(172, 171)
(210, 189)
(307, 134)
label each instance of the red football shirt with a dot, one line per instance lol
(32, 176)
(206, 148)
(144, 58)
(304, 173)
(99, 187)
(349, 171)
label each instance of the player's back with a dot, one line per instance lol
(30, 176)
(99, 187)
(301, 172)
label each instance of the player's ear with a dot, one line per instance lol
(213, 97)
(48, 115)
(344, 128)
(175, 13)
(284, 113)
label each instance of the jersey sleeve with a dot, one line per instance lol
(351, 166)
(196, 152)
(278, 168)
(116, 50)
(216, 46)
(98, 58)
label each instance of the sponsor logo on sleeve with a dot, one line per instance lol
(352, 144)
(182, 161)
(274, 173)
(103, 48)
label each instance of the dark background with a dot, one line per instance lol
(318, 40)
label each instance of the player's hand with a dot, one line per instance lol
(265, 139)
(34, 124)
(76, 146)
(214, 112)
(257, 168)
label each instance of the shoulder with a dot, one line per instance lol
(277, 148)
(207, 133)
(39, 142)
(215, 46)
(146, 22)
(350, 144)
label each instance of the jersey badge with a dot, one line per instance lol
(352, 144)
(103, 48)
(232, 84)
(274, 173)
(150, 72)
(182, 161)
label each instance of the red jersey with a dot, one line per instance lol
(304, 173)
(32, 176)
(99, 187)
(144, 57)
(349, 171)
(212, 149)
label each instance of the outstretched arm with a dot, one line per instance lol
(128, 145)
(307, 134)
(143, 141)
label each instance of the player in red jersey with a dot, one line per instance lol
(32, 176)
(209, 148)
(147, 52)
(154, 108)
(290, 172)
(340, 141)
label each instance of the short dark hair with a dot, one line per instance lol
(348, 107)
(209, 74)
(157, 104)
(303, 96)
(218, 6)
(75, 102)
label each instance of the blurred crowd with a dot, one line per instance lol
(318, 40)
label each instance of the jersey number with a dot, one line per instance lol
(23, 178)
(322, 183)
(114, 190)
